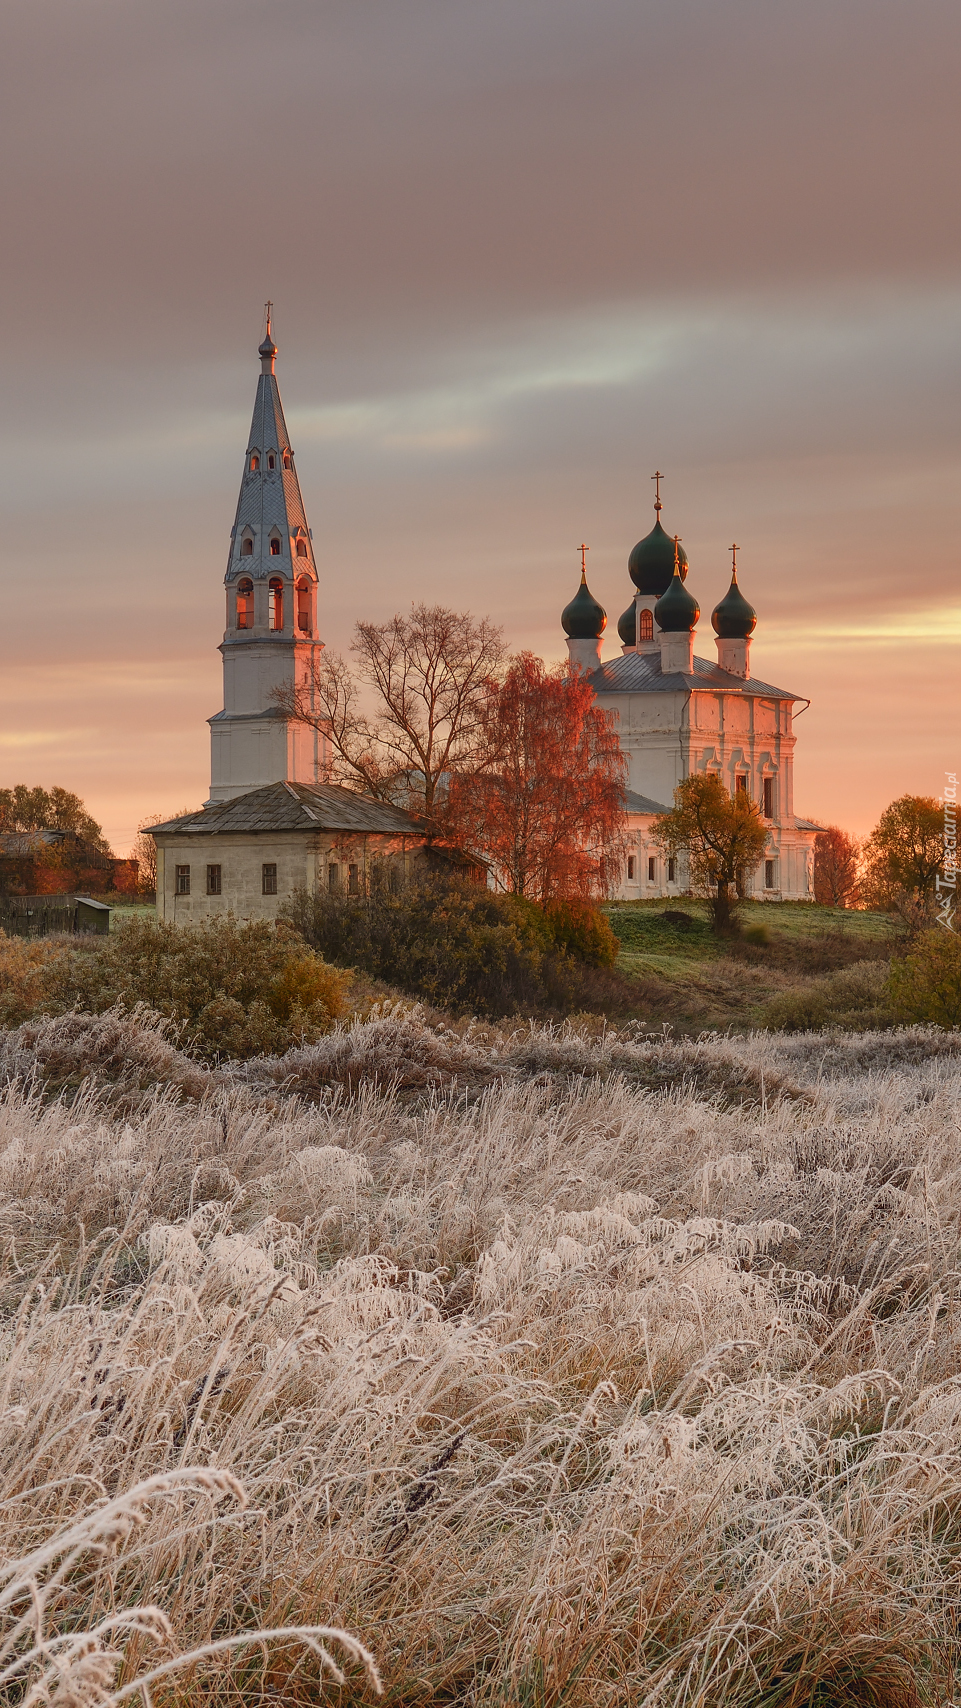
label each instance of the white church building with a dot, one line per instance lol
(677, 714)
(272, 823)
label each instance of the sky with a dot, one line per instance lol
(522, 252)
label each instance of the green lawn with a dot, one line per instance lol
(711, 982)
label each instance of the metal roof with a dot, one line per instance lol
(295, 806)
(270, 498)
(642, 803)
(640, 673)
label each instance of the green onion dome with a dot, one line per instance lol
(733, 618)
(627, 626)
(651, 563)
(677, 610)
(584, 618)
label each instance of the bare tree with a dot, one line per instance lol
(429, 673)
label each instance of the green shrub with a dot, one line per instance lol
(926, 984)
(468, 950)
(855, 999)
(240, 988)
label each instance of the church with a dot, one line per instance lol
(677, 714)
(272, 823)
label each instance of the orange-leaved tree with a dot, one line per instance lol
(723, 837)
(836, 856)
(902, 857)
(545, 804)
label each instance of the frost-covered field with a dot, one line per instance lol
(557, 1368)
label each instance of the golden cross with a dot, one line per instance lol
(657, 477)
(677, 561)
(734, 551)
(584, 551)
(268, 308)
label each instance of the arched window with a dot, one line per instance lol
(645, 628)
(274, 546)
(303, 606)
(287, 460)
(276, 605)
(271, 460)
(247, 546)
(254, 462)
(245, 604)
(301, 548)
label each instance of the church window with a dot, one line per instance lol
(254, 462)
(245, 604)
(301, 548)
(275, 547)
(672, 871)
(769, 874)
(651, 868)
(213, 880)
(303, 606)
(183, 880)
(769, 797)
(286, 459)
(269, 873)
(740, 783)
(333, 878)
(645, 627)
(247, 546)
(631, 865)
(276, 603)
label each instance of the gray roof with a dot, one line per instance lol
(642, 803)
(640, 673)
(269, 498)
(807, 824)
(295, 806)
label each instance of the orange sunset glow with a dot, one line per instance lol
(521, 254)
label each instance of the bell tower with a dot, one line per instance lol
(270, 640)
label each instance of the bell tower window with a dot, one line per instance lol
(286, 459)
(301, 548)
(275, 547)
(245, 604)
(271, 460)
(254, 462)
(276, 603)
(246, 546)
(645, 626)
(303, 606)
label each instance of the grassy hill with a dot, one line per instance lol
(787, 952)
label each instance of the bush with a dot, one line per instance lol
(29, 970)
(240, 989)
(854, 998)
(468, 950)
(926, 985)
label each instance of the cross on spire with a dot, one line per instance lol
(734, 551)
(677, 561)
(268, 310)
(657, 477)
(583, 551)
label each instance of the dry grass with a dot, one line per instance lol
(558, 1366)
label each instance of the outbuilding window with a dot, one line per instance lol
(631, 866)
(213, 880)
(183, 880)
(333, 878)
(650, 868)
(353, 880)
(672, 871)
(269, 885)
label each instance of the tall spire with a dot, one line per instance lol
(270, 640)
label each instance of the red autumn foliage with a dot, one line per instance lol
(836, 858)
(545, 804)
